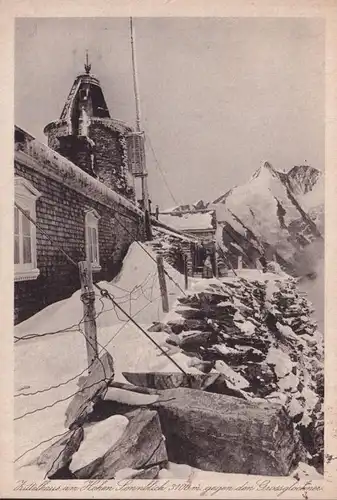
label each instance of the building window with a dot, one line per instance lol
(91, 239)
(25, 266)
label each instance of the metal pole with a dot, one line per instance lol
(145, 191)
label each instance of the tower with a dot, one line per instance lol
(87, 135)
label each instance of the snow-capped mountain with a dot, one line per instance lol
(198, 205)
(275, 215)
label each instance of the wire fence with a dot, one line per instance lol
(144, 289)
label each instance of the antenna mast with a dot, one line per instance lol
(145, 192)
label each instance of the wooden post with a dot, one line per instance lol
(89, 313)
(193, 251)
(186, 271)
(157, 212)
(216, 267)
(162, 283)
(148, 230)
(240, 262)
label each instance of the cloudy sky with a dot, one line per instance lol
(218, 95)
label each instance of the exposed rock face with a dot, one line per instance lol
(224, 434)
(275, 215)
(302, 178)
(91, 388)
(141, 446)
(59, 454)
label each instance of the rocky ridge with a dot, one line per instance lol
(260, 337)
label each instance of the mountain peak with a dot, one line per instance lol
(302, 178)
(264, 167)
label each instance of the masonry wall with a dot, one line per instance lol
(108, 153)
(60, 212)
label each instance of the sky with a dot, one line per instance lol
(218, 95)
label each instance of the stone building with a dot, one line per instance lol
(80, 192)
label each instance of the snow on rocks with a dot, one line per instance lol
(261, 337)
(280, 361)
(129, 397)
(141, 445)
(98, 438)
(232, 376)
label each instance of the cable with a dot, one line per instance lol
(86, 368)
(61, 400)
(128, 321)
(105, 293)
(160, 170)
(39, 444)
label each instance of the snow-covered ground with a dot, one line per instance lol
(58, 359)
(47, 367)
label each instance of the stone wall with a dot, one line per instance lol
(173, 247)
(60, 212)
(105, 143)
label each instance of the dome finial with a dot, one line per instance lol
(87, 66)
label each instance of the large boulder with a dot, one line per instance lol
(225, 434)
(142, 446)
(91, 389)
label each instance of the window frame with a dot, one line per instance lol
(25, 196)
(92, 218)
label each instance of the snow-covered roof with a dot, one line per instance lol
(188, 222)
(45, 160)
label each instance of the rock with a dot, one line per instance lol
(141, 446)
(160, 327)
(58, 455)
(169, 380)
(170, 349)
(235, 378)
(224, 434)
(222, 386)
(261, 378)
(203, 366)
(176, 326)
(91, 389)
(173, 339)
(132, 388)
(128, 473)
(196, 314)
(191, 341)
(98, 438)
(179, 325)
